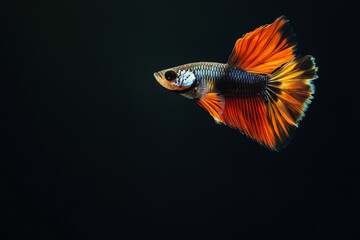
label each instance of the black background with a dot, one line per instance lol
(93, 148)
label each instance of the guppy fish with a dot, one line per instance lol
(263, 90)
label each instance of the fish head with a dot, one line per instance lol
(176, 79)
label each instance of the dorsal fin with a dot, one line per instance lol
(265, 49)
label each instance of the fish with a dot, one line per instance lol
(263, 90)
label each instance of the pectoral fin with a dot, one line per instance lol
(214, 103)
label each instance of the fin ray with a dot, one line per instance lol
(264, 49)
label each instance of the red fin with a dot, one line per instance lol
(290, 91)
(272, 122)
(214, 103)
(249, 115)
(265, 49)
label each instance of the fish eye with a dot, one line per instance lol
(170, 75)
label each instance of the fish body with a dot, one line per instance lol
(263, 90)
(204, 77)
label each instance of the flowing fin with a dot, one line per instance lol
(266, 48)
(271, 122)
(249, 115)
(290, 91)
(214, 103)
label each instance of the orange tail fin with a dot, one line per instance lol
(290, 91)
(271, 122)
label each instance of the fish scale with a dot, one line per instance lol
(229, 80)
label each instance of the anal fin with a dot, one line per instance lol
(249, 115)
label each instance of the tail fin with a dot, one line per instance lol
(289, 93)
(271, 122)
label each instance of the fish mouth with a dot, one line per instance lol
(157, 76)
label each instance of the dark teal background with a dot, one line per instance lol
(93, 148)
